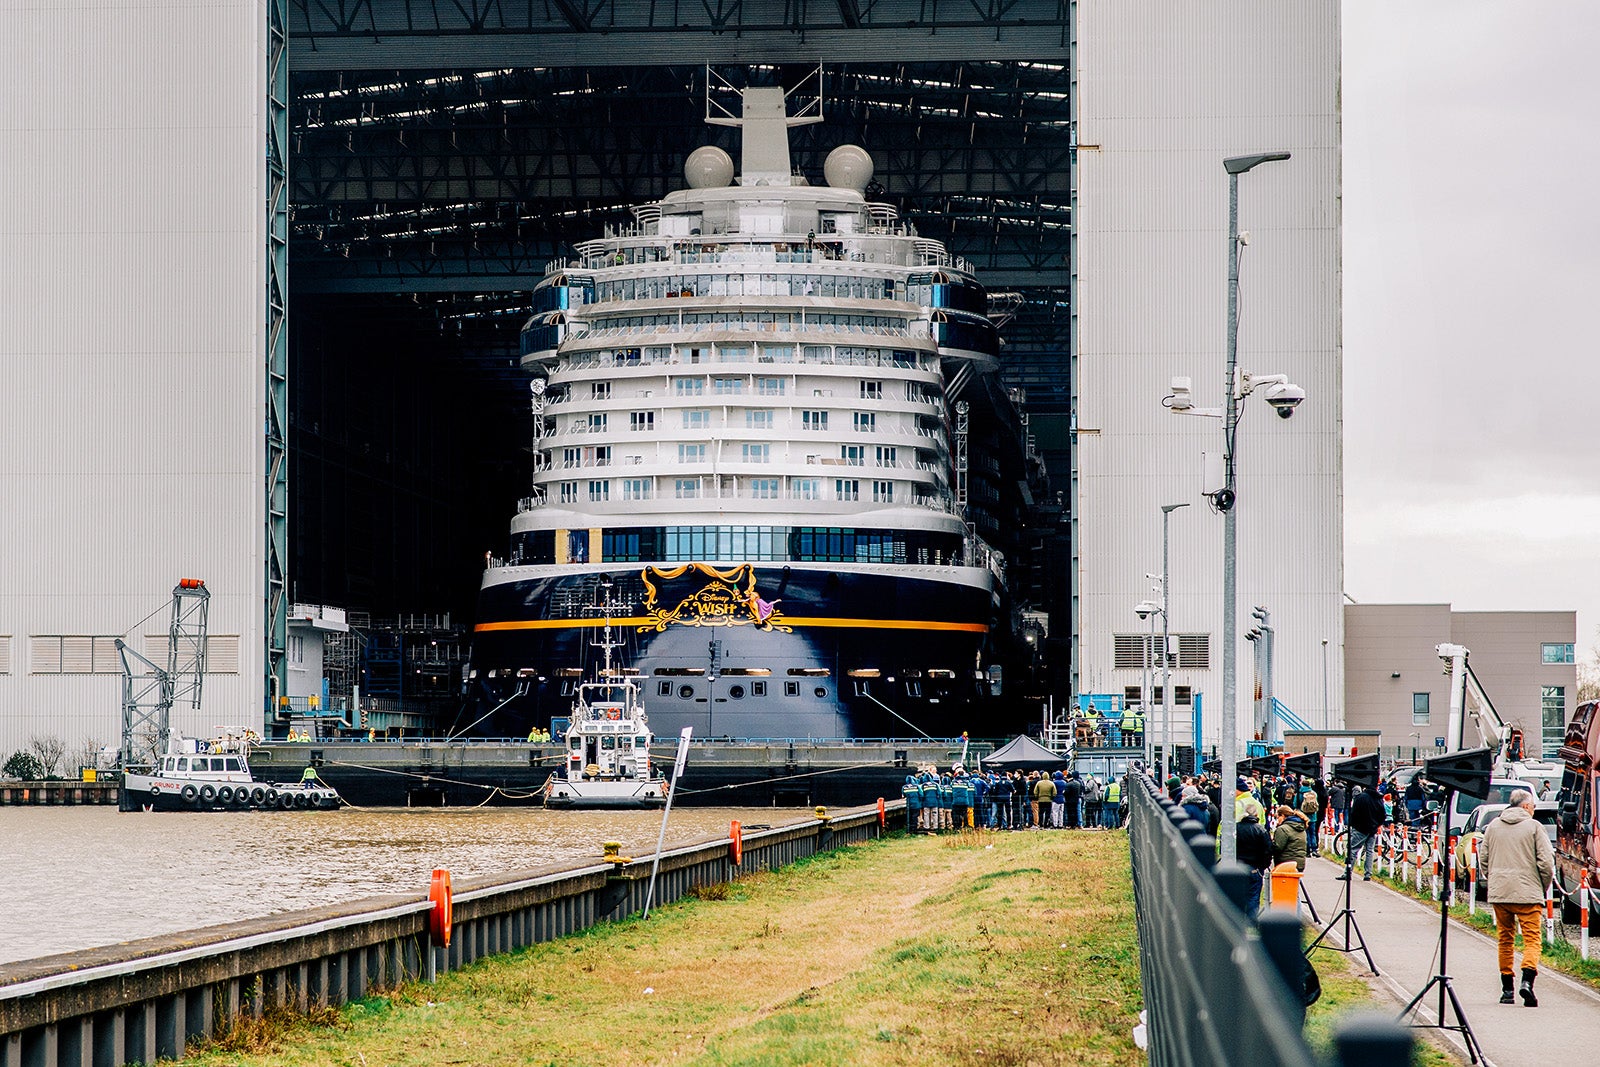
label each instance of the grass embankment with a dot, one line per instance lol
(1006, 949)
(1344, 990)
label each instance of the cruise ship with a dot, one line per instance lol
(753, 409)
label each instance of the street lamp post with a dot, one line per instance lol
(1326, 710)
(1147, 611)
(1166, 640)
(1228, 749)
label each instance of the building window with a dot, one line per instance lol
(696, 420)
(871, 390)
(297, 650)
(1553, 711)
(846, 489)
(569, 492)
(1557, 653)
(599, 491)
(805, 489)
(686, 488)
(571, 457)
(636, 489)
(769, 386)
(691, 453)
(865, 421)
(758, 418)
(74, 655)
(756, 453)
(727, 386)
(883, 492)
(689, 386)
(853, 455)
(1419, 709)
(600, 390)
(597, 422)
(886, 456)
(597, 457)
(641, 420)
(814, 420)
(764, 488)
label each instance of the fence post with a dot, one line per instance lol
(1280, 936)
(1204, 847)
(1367, 1039)
(1234, 881)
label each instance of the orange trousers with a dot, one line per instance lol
(1507, 919)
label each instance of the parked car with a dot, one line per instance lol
(1472, 830)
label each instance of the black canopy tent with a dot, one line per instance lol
(1025, 754)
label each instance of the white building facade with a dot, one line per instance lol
(131, 354)
(1164, 93)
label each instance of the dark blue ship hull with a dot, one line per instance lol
(747, 651)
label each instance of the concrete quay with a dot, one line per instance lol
(148, 999)
(1402, 934)
(53, 792)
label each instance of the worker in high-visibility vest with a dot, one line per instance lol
(1113, 803)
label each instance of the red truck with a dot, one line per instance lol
(1578, 814)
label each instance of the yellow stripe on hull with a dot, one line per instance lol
(789, 620)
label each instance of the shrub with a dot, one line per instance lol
(24, 765)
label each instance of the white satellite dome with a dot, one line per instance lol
(848, 167)
(708, 167)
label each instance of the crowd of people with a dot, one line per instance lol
(1011, 800)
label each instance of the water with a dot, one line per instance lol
(82, 877)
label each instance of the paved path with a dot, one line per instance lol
(1403, 935)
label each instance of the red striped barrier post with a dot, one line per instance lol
(1550, 914)
(1583, 916)
(1472, 880)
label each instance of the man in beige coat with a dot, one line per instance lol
(1516, 858)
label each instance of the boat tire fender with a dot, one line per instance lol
(285, 801)
(208, 793)
(225, 794)
(258, 795)
(189, 794)
(302, 801)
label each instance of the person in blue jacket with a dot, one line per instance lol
(980, 799)
(960, 797)
(913, 796)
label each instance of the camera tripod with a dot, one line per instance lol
(1442, 979)
(1345, 912)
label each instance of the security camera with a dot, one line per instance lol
(1146, 608)
(1284, 398)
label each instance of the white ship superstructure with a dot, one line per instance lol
(744, 409)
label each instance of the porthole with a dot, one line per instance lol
(736, 692)
(820, 691)
(686, 691)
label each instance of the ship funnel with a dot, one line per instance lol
(764, 119)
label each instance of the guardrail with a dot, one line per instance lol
(144, 1000)
(1214, 982)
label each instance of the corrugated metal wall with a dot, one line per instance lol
(1166, 91)
(131, 164)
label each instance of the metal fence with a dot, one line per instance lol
(1214, 989)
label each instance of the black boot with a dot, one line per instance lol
(1528, 999)
(1507, 992)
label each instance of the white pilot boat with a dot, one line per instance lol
(198, 775)
(608, 744)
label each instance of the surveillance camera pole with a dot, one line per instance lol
(1228, 742)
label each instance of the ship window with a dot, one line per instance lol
(736, 692)
(627, 742)
(791, 689)
(871, 390)
(756, 453)
(685, 691)
(697, 419)
(865, 421)
(691, 453)
(814, 420)
(820, 692)
(577, 742)
(758, 418)
(642, 742)
(608, 743)
(641, 420)
(183, 764)
(664, 689)
(758, 689)
(769, 386)
(232, 763)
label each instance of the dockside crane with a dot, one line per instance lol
(1507, 741)
(149, 691)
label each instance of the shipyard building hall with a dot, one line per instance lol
(830, 346)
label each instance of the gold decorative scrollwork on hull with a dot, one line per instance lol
(728, 599)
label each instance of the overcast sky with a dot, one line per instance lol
(1471, 290)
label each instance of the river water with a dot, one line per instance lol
(82, 877)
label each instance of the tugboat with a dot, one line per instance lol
(608, 743)
(196, 775)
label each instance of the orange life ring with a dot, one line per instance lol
(736, 846)
(441, 918)
(614, 714)
(883, 814)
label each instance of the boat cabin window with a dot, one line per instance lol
(232, 763)
(627, 742)
(577, 742)
(183, 763)
(167, 763)
(641, 741)
(608, 743)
